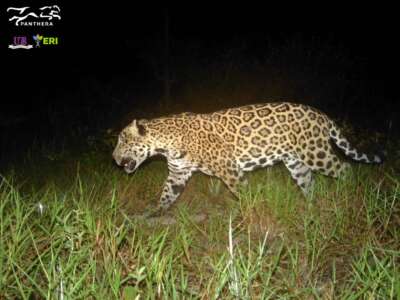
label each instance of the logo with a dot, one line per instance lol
(26, 16)
(20, 42)
(45, 40)
(38, 38)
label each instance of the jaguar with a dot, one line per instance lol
(230, 142)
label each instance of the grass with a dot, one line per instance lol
(74, 235)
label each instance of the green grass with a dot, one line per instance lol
(74, 234)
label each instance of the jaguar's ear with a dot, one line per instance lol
(137, 127)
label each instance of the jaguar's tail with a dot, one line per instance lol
(338, 138)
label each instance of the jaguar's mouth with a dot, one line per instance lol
(128, 164)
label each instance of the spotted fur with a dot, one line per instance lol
(230, 142)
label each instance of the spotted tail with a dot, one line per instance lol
(350, 151)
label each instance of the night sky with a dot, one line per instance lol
(108, 42)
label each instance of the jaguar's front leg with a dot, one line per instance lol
(173, 187)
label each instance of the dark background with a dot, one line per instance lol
(111, 59)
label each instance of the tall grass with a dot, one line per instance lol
(81, 238)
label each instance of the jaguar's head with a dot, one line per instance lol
(131, 149)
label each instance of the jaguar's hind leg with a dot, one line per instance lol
(300, 173)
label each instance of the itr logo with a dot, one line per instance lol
(20, 42)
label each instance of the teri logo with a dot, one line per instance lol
(38, 38)
(20, 42)
(45, 40)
